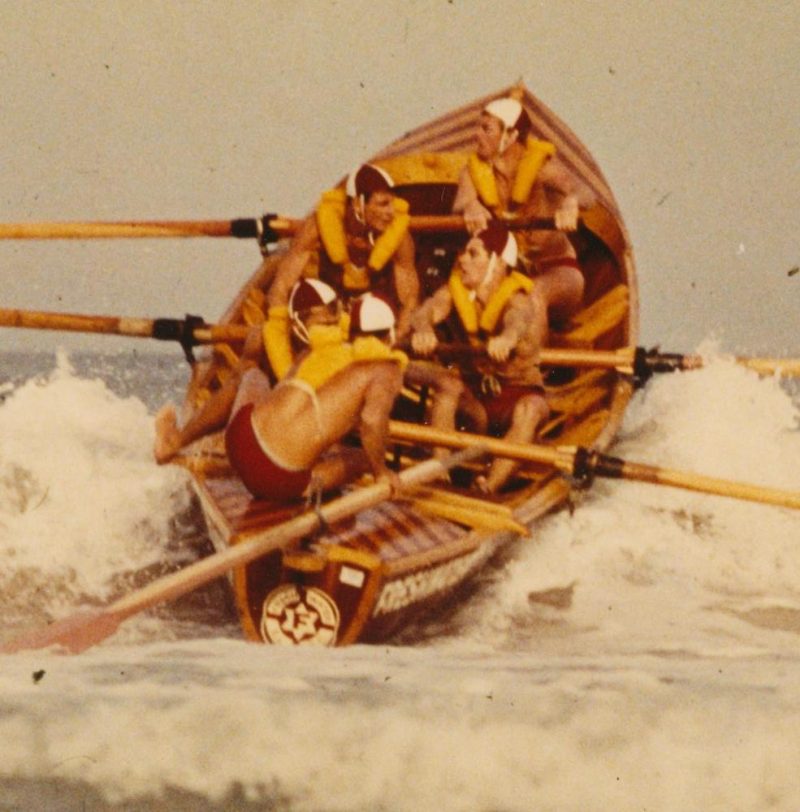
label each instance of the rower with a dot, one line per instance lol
(271, 348)
(513, 174)
(498, 309)
(284, 442)
(357, 240)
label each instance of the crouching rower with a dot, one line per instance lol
(498, 309)
(283, 441)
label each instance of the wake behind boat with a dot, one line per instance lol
(364, 580)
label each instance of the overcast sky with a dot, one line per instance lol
(214, 110)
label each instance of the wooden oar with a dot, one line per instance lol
(639, 362)
(164, 329)
(270, 227)
(188, 332)
(584, 464)
(193, 330)
(87, 628)
(267, 229)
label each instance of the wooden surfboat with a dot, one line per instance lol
(365, 580)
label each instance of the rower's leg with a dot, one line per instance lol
(529, 412)
(235, 392)
(561, 285)
(337, 468)
(249, 387)
(470, 407)
(446, 395)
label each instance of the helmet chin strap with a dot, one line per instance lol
(506, 140)
(358, 210)
(300, 329)
(489, 271)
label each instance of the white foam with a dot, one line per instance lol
(81, 498)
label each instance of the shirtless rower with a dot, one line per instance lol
(282, 441)
(496, 308)
(309, 303)
(513, 174)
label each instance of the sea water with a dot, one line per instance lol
(638, 652)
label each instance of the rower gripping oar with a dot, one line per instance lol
(584, 464)
(85, 629)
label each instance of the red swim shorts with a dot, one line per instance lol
(262, 476)
(500, 404)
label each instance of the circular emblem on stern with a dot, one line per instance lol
(293, 615)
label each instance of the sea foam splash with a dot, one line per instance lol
(81, 499)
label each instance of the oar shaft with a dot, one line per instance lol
(527, 452)
(706, 484)
(39, 320)
(790, 367)
(584, 464)
(172, 586)
(272, 226)
(627, 360)
(165, 329)
(78, 230)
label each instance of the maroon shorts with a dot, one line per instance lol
(262, 476)
(500, 405)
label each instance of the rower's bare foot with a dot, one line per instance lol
(168, 438)
(482, 484)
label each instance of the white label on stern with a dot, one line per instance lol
(352, 577)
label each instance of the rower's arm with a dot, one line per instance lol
(406, 283)
(432, 311)
(291, 267)
(573, 195)
(467, 202)
(379, 397)
(517, 321)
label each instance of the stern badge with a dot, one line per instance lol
(292, 615)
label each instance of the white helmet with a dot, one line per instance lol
(513, 117)
(371, 313)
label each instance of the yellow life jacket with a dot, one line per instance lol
(370, 348)
(480, 171)
(464, 301)
(330, 216)
(330, 355)
(277, 338)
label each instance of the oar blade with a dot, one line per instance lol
(72, 635)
